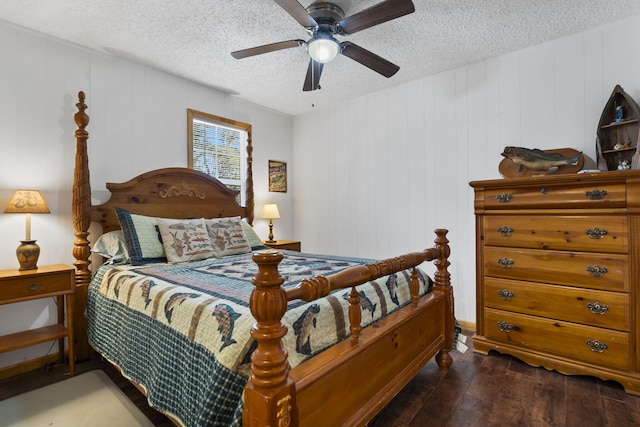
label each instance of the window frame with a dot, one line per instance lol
(247, 183)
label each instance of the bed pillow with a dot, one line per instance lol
(112, 246)
(227, 236)
(254, 240)
(185, 239)
(141, 234)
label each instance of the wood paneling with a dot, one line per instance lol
(139, 124)
(486, 111)
(547, 96)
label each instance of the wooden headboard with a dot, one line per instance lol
(174, 192)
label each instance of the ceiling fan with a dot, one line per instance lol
(324, 20)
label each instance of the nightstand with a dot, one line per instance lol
(289, 245)
(48, 281)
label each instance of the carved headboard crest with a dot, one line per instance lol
(182, 190)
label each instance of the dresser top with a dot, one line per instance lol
(44, 269)
(591, 177)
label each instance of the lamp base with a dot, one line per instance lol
(28, 253)
(270, 239)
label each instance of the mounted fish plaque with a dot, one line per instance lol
(520, 161)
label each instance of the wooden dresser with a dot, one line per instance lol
(557, 272)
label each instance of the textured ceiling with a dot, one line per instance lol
(193, 39)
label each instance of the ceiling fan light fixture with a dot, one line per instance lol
(323, 21)
(323, 48)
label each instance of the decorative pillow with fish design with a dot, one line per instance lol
(227, 236)
(185, 239)
(142, 238)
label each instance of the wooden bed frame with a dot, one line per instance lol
(347, 384)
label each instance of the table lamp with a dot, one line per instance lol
(27, 202)
(270, 212)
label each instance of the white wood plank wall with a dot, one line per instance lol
(368, 172)
(364, 176)
(138, 122)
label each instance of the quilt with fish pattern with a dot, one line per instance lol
(182, 330)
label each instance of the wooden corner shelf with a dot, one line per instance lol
(619, 126)
(622, 123)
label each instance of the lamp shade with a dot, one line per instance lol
(27, 201)
(270, 211)
(323, 48)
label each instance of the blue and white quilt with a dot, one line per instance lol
(182, 330)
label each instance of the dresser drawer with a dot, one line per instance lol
(551, 196)
(594, 345)
(581, 269)
(577, 233)
(595, 308)
(30, 285)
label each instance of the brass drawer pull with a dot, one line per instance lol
(34, 286)
(597, 346)
(504, 197)
(505, 294)
(597, 271)
(506, 326)
(505, 262)
(505, 230)
(596, 233)
(595, 194)
(597, 308)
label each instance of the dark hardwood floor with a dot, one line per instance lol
(494, 390)
(499, 390)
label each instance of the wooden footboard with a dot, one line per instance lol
(350, 382)
(347, 385)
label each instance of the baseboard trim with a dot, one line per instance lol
(28, 365)
(467, 326)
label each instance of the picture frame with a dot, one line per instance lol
(277, 176)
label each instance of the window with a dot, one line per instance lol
(219, 147)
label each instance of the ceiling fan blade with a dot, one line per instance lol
(376, 14)
(259, 50)
(312, 82)
(369, 59)
(298, 12)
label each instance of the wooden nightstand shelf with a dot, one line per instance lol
(47, 281)
(289, 245)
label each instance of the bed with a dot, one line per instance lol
(255, 338)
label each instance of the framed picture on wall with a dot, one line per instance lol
(277, 176)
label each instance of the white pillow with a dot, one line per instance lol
(185, 239)
(112, 246)
(227, 236)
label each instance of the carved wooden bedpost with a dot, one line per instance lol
(249, 202)
(81, 211)
(269, 396)
(442, 280)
